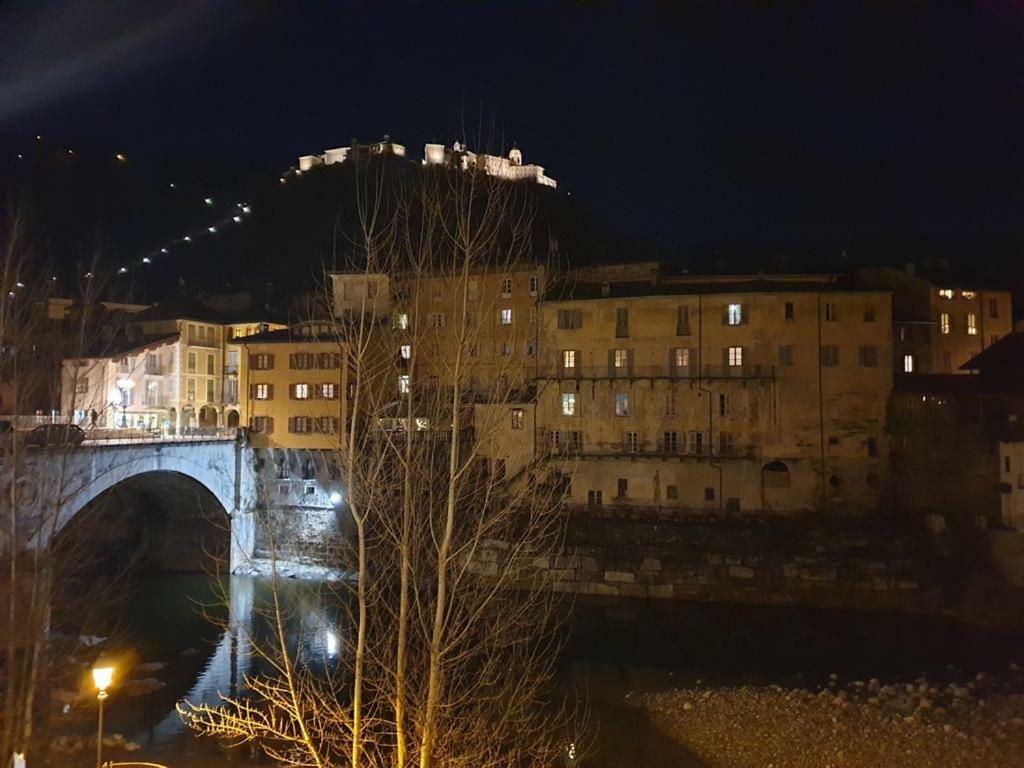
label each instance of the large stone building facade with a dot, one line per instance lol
(731, 394)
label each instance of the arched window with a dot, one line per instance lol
(775, 474)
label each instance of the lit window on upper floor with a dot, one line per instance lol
(400, 321)
(734, 314)
(506, 287)
(534, 285)
(568, 358)
(622, 404)
(945, 293)
(505, 317)
(969, 295)
(944, 323)
(568, 403)
(908, 364)
(403, 384)
(972, 324)
(405, 351)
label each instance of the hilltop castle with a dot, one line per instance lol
(457, 156)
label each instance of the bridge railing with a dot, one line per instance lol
(182, 435)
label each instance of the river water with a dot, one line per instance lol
(614, 649)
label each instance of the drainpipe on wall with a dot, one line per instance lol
(701, 388)
(821, 417)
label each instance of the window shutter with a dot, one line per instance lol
(672, 362)
(725, 314)
(252, 361)
(270, 362)
(725, 357)
(270, 424)
(291, 424)
(611, 363)
(252, 391)
(270, 391)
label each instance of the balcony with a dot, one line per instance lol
(195, 341)
(628, 373)
(658, 452)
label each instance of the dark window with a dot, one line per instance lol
(709, 494)
(872, 446)
(623, 488)
(790, 310)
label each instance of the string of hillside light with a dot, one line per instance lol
(236, 215)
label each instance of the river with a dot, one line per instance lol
(614, 649)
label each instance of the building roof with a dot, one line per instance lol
(187, 309)
(292, 335)
(1006, 356)
(706, 285)
(122, 346)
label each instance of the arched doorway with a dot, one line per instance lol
(775, 484)
(232, 418)
(207, 416)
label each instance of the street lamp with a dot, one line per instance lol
(101, 678)
(125, 387)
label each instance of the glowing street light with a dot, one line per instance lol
(208, 200)
(121, 157)
(102, 677)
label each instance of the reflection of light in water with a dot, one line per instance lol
(331, 641)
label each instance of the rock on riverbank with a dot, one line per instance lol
(958, 723)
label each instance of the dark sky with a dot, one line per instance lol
(727, 122)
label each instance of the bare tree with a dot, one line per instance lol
(452, 629)
(39, 580)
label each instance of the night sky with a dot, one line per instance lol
(725, 125)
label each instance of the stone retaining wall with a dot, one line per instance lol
(767, 561)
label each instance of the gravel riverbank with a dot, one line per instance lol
(959, 722)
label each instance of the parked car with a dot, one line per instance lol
(51, 435)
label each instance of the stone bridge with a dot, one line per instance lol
(52, 486)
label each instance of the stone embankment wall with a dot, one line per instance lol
(767, 561)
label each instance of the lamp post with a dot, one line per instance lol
(101, 678)
(125, 388)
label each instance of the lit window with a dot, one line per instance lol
(568, 358)
(969, 295)
(300, 391)
(401, 321)
(506, 287)
(517, 418)
(505, 317)
(622, 404)
(734, 314)
(621, 358)
(735, 356)
(681, 357)
(908, 363)
(328, 391)
(972, 324)
(946, 293)
(568, 403)
(261, 392)
(403, 384)
(405, 351)
(534, 285)
(944, 323)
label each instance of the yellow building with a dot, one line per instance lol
(293, 387)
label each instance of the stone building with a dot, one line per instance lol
(947, 430)
(937, 327)
(509, 167)
(730, 393)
